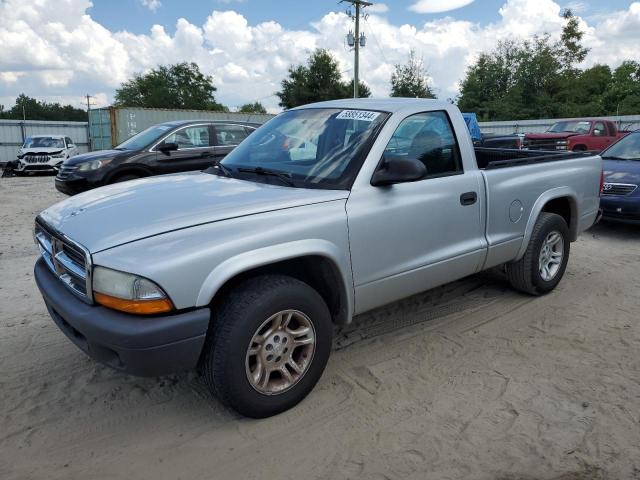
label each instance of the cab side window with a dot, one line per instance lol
(599, 130)
(190, 137)
(230, 135)
(69, 141)
(427, 137)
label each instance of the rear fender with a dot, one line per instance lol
(538, 206)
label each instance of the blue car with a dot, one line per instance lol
(620, 195)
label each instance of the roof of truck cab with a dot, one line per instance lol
(391, 105)
(180, 123)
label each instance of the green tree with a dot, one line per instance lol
(255, 107)
(317, 81)
(537, 78)
(40, 110)
(181, 86)
(572, 51)
(411, 79)
(623, 94)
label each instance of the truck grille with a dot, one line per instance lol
(70, 262)
(36, 158)
(618, 189)
(66, 170)
(542, 144)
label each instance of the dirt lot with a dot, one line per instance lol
(470, 381)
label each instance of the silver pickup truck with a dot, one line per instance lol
(327, 211)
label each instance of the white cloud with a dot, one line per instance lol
(152, 5)
(437, 6)
(58, 51)
(378, 8)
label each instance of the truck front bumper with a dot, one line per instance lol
(144, 346)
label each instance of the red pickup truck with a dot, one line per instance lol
(576, 135)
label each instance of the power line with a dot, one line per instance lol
(375, 39)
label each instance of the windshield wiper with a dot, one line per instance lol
(284, 177)
(615, 158)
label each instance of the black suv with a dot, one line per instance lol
(164, 148)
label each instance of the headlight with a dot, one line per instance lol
(58, 155)
(562, 142)
(128, 293)
(92, 165)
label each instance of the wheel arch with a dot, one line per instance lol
(127, 170)
(315, 263)
(562, 201)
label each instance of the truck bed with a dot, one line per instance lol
(492, 158)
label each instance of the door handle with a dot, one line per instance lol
(468, 198)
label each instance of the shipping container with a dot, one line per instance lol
(14, 132)
(111, 126)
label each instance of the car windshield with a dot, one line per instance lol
(311, 148)
(571, 127)
(626, 149)
(43, 142)
(144, 138)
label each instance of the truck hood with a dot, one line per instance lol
(550, 136)
(116, 214)
(622, 171)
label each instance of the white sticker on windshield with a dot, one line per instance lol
(362, 115)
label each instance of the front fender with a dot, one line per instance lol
(261, 257)
(560, 192)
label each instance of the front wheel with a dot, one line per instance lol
(541, 268)
(269, 344)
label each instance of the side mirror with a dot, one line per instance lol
(597, 132)
(168, 147)
(398, 170)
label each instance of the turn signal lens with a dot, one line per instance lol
(138, 307)
(128, 293)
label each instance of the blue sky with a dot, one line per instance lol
(290, 14)
(60, 50)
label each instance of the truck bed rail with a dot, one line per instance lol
(492, 158)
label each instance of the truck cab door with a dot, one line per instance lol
(600, 136)
(409, 237)
(195, 151)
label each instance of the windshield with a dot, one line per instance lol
(311, 148)
(144, 138)
(571, 127)
(43, 142)
(626, 149)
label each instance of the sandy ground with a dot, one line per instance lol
(470, 381)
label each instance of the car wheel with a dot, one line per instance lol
(541, 268)
(126, 178)
(269, 344)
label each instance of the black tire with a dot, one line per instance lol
(524, 274)
(126, 177)
(234, 324)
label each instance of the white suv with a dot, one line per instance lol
(45, 153)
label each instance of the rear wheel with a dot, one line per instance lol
(541, 268)
(270, 342)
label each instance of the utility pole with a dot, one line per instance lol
(358, 40)
(89, 105)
